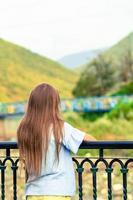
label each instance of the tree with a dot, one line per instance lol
(96, 79)
(126, 65)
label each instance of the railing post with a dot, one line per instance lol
(14, 168)
(2, 182)
(101, 153)
(80, 169)
(109, 171)
(94, 170)
(124, 172)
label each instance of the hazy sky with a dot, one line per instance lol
(55, 28)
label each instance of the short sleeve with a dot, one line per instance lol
(73, 137)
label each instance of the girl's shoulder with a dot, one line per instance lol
(67, 125)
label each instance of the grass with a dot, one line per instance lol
(102, 128)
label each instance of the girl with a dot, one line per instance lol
(45, 143)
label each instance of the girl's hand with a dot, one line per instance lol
(89, 137)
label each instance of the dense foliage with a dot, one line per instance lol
(123, 110)
(96, 79)
(125, 89)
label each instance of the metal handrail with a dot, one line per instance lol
(100, 145)
(121, 144)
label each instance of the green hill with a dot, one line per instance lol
(21, 70)
(115, 52)
(108, 71)
(118, 50)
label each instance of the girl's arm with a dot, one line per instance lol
(89, 137)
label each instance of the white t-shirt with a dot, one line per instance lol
(58, 180)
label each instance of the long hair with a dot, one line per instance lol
(33, 133)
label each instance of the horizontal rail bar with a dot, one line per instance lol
(84, 145)
(107, 145)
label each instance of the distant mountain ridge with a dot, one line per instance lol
(76, 59)
(22, 69)
(116, 51)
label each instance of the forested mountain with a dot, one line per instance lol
(108, 71)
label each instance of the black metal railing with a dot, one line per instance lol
(101, 146)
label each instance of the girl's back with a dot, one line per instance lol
(57, 179)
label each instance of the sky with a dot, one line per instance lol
(55, 28)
